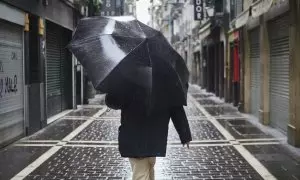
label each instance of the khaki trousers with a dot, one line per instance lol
(142, 168)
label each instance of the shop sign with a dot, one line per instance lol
(198, 10)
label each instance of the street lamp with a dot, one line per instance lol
(210, 11)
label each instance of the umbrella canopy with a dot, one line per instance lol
(114, 50)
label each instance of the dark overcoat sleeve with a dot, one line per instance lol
(181, 124)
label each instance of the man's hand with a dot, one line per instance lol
(187, 145)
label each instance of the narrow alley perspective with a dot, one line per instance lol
(150, 89)
(83, 145)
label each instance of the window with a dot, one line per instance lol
(219, 6)
(232, 9)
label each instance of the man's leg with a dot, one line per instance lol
(142, 168)
(152, 161)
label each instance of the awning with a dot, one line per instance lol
(204, 31)
(242, 19)
(260, 7)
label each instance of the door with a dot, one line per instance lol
(255, 72)
(58, 70)
(279, 71)
(11, 82)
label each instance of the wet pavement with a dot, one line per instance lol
(83, 145)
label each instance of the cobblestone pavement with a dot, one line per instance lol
(83, 145)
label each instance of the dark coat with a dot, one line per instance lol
(143, 133)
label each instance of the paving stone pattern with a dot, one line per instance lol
(215, 162)
(83, 163)
(100, 130)
(201, 130)
(204, 160)
(107, 130)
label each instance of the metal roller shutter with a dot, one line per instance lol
(11, 82)
(279, 72)
(255, 71)
(54, 92)
(59, 69)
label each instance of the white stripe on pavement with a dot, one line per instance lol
(84, 125)
(224, 132)
(30, 168)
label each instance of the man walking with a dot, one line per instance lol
(143, 133)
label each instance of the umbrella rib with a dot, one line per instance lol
(141, 29)
(149, 54)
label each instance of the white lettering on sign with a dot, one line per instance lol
(198, 8)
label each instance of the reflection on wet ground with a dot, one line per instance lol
(218, 151)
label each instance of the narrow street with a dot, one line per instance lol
(83, 145)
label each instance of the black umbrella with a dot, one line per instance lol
(116, 50)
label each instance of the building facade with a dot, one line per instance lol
(130, 8)
(243, 51)
(36, 70)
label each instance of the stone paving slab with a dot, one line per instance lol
(214, 162)
(279, 161)
(57, 130)
(242, 129)
(13, 159)
(223, 111)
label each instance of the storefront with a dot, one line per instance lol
(235, 54)
(279, 71)
(255, 76)
(58, 69)
(12, 113)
